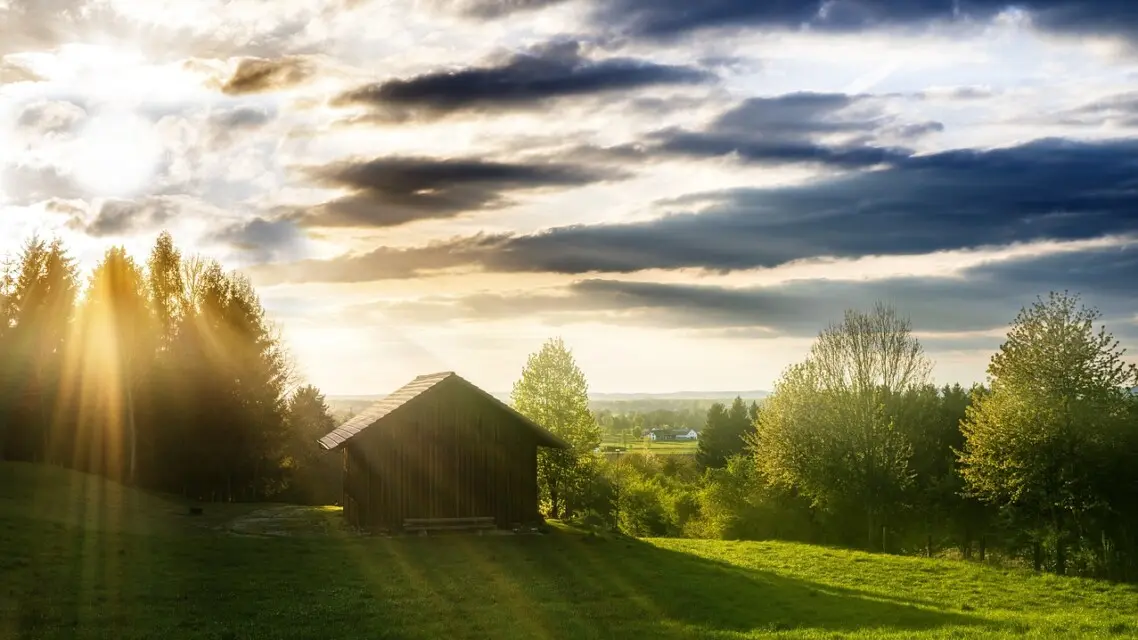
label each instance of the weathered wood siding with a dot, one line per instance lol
(447, 454)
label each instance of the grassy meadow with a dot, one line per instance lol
(639, 444)
(82, 557)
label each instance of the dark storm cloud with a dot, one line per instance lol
(396, 190)
(257, 75)
(524, 81)
(1047, 189)
(980, 299)
(794, 128)
(662, 19)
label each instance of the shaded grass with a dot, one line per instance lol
(655, 447)
(61, 580)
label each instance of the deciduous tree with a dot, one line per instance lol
(552, 392)
(1056, 416)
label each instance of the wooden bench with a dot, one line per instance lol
(426, 525)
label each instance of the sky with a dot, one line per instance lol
(687, 193)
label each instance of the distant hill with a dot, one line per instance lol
(613, 401)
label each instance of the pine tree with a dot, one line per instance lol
(723, 434)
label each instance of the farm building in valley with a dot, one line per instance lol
(439, 449)
(670, 435)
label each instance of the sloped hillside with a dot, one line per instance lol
(84, 558)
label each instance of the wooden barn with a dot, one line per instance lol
(440, 450)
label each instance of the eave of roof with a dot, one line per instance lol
(420, 385)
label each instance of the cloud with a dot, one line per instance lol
(1120, 110)
(258, 75)
(26, 183)
(490, 9)
(664, 19)
(392, 191)
(220, 29)
(526, 80)
(124, 217)
(833, 129)
(12, 72)
(956, 93)
(50, 117)
(1046, 189)
(260, 240)
(962, 308)
(225, 124)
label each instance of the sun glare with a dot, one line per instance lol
(116, 154)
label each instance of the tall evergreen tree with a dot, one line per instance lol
(724, 434)
(118, 335)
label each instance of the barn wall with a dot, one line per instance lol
(450, 453)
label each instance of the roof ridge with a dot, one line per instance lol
(420, 385)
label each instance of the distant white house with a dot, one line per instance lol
(665, 435)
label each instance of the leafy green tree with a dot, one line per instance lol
(1056, 416)
(829, 431)
(553, 392)
(724, 434)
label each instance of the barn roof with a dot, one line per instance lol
(421, 385)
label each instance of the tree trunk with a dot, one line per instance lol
(1037, 555)
(133, 434)
(1061, 556)
(554, 502)
(929, 545)
(870, 530)
(983, 547)
(966, 548)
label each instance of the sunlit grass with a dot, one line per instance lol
(639, 444)
(155, 572)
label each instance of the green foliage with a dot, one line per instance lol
(830, 431)
(314, 478)
(724, 434)
(553, 392)
(166, 374)
(1047, 441)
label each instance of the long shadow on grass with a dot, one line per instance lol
(78, 584)
(713, 595)
(567, 586)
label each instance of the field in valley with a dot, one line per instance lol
(85, 558)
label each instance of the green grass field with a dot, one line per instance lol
(655, 447)
(83, 558)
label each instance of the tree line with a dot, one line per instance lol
(857, 447)
(165, 374)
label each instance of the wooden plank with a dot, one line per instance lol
(428, 521)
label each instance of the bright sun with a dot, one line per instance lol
(116, 154)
